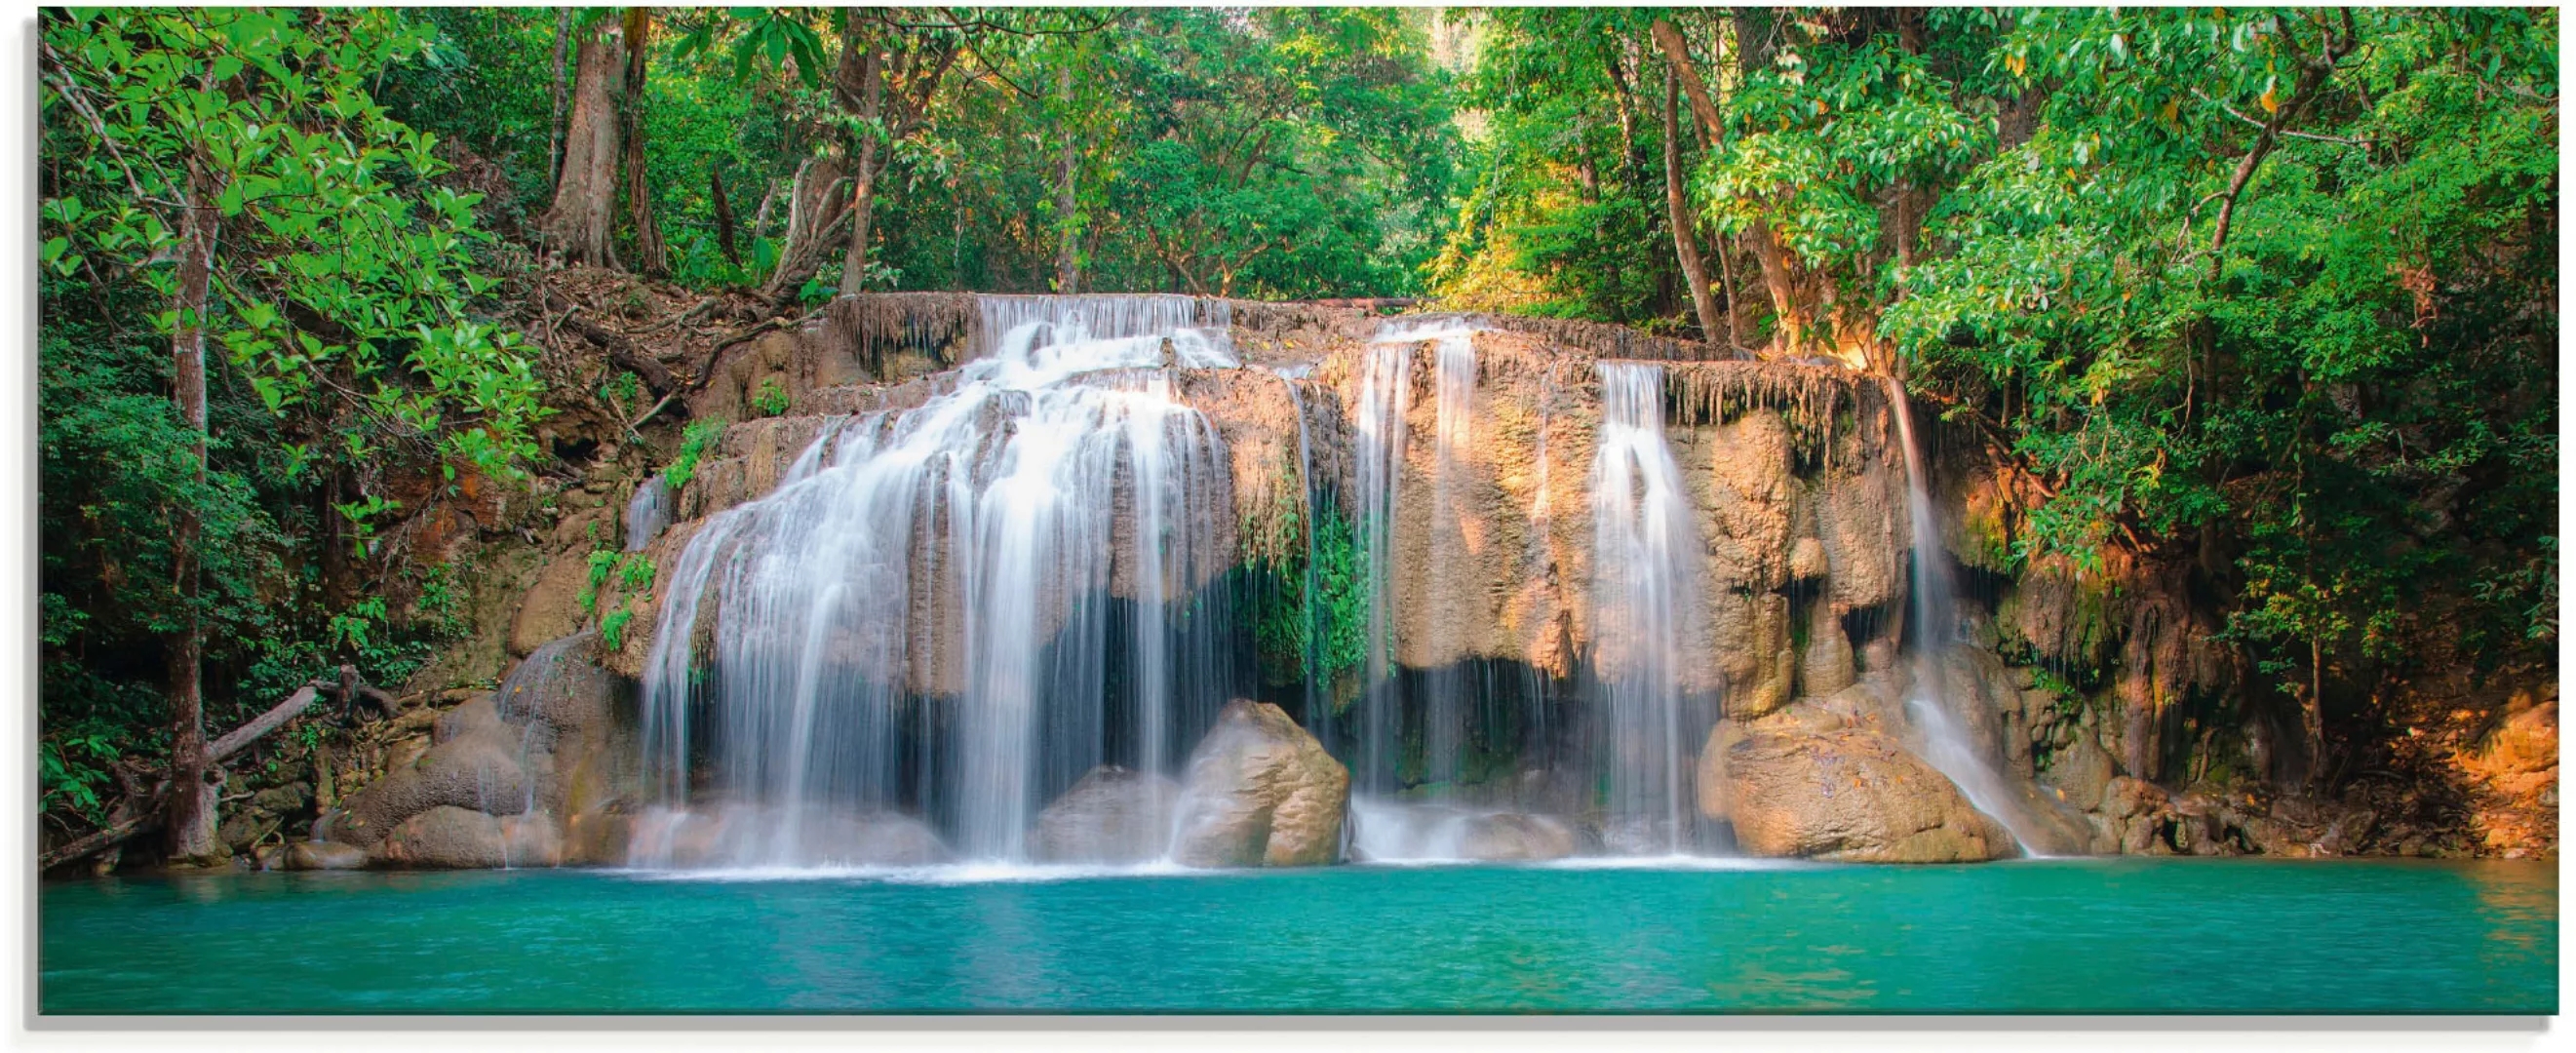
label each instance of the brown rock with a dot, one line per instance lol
(1854, 796)
(1827, 665)
(452, 838)
(552, 609)
(1261, 792)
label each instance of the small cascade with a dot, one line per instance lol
(1028, 539)
(647, 513)
(1645, 586)
(1386, 392)
(1946, 745)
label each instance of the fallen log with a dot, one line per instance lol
(240, 738)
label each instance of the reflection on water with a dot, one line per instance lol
(2111, 936)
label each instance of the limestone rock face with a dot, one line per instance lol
(1851, 795)
(1261, 792)
(2081, 772)
(1113, 815)
(552, 610)
(1827, 665)
(502, 772)
(478, 771)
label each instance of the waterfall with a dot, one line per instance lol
(647, 513)
(1386, 398)
(1386, 391)
(1946, 744)
(1646, 574)
(975, 541)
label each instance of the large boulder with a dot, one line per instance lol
(1113, 815)
(1261, 792)
(1851, 795)
(478, 771)
(544, 746)
(452, 838)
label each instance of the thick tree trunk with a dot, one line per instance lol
(555, 92)
(1068, 229)
(1685, 245)
(651, 255)
(196, 782)
(578, 225)
(860, 60)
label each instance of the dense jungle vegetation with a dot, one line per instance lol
(2271, 288)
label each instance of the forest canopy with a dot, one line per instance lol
(2273, 289)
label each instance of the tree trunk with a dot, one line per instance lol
(196, 783)
(577, 227)
(1685, 245)
(813, 208)
(724, 214)
(860, 58)
(555, 91)
(1779, 272)
(1068, 229)
(651, 255)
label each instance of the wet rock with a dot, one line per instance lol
(244, 829)
(1827, 665)
(2081, 772)
(1806, 560)
(451, 838)
(1514, 836)
(478, 772)
(1261, 792)
(1852, 795)
(598, 838)
(319, 855)
(552, 609)
(1113, 815)
(280, 799)
(1714, 788)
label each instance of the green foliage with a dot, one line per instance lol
(771, 401)
(2363, 407)
(694, 442)
(343, 276)
(1316, 635)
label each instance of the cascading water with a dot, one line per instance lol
(1645, 589)
(647, 513)
(1386, 392)
(1946, 744)
(979, 534)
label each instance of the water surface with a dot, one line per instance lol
(2096, 936)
